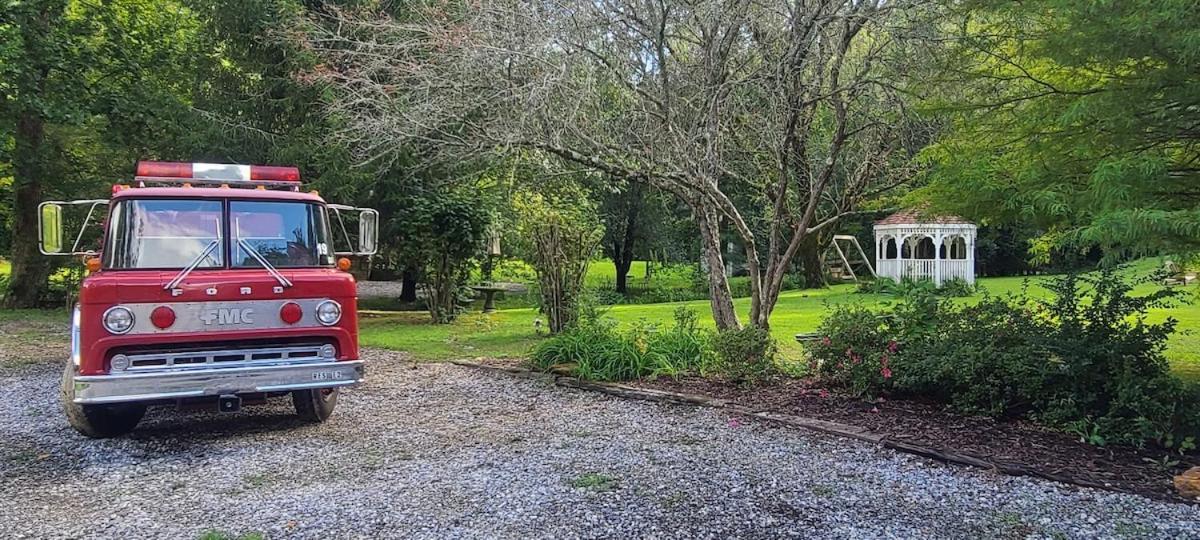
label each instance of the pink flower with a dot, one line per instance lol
(887, 373)
(823, 393)
(892, 346)
(856, 359)
(733, 423)
(826, 341)
(874, 409)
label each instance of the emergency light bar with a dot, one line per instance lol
(216, 173)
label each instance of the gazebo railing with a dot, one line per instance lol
(888, 268)
(919, 269)
(957, 268)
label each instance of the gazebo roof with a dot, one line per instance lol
(921, 216)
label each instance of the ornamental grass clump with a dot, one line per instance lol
(596, 348)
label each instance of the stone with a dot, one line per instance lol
(1188, 483)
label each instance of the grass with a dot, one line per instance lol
(27, 336)
(222, 535)
(511, 332)
(595, 482)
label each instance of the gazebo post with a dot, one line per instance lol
(937, 259)
(969, 242)
(878, 249)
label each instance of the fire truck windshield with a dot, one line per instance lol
(285, 234)
(172, 233)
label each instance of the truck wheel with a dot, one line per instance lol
(315, 405)
(98, 421)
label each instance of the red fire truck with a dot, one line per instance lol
(216, 285)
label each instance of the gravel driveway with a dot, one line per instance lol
(446, 451)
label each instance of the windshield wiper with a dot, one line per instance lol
(191, 266)
(263, 261)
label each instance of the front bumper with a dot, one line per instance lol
(97, 389)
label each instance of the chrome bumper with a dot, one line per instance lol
(95, 389)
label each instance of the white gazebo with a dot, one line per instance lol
(916, 245)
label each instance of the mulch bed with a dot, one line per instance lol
(1013, 446)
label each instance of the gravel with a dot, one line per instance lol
(392, 289)
(436, 451)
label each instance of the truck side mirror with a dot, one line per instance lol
(50, 227)
(368, 231)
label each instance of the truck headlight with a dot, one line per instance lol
(118, 319)
(329, 312)
(76, 346)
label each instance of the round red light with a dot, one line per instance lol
(290, 313)
(162, 317)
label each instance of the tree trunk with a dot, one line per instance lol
(719, 296)
(623, 263)
(408, 285)
(811, 267)
(622, 247)
(30, 270)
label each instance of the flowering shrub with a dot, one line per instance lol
(855, 351)
(1085, 360)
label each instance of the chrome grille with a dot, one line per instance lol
(224, 358)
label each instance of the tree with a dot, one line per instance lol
(83, 87)
(1079, 118)
(691, 99)
(451, 235)
(624, 214)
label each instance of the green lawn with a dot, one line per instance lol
(510, 332)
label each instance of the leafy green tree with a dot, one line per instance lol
(442, 234)
(84, 88)
(637, 220)
(1078, 117)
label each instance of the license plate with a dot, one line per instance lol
(326, 375)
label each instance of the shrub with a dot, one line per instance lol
(977, 358)
(956, 287)
(440, 234)
(1085, 359)
(746, 355)
(564, 235)
(595, 348)
(855, 352)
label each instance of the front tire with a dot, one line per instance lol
(315, 405)
(98, 421)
